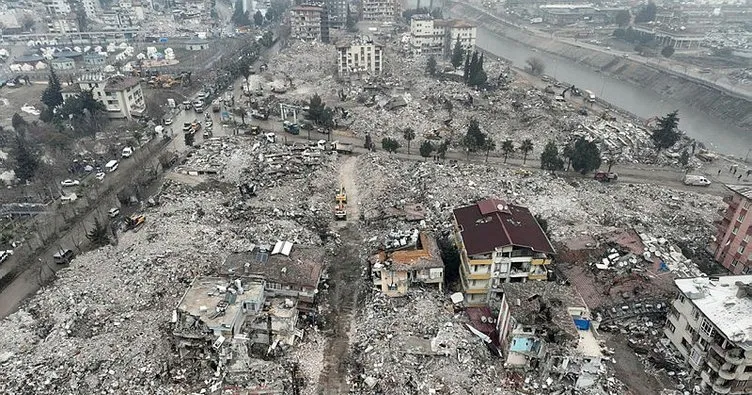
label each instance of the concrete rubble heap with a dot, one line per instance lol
(104, 327)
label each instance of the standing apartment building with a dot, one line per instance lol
(337, 13)
(733, 232)
(122, 96)
(379, 10)
(437, 36)
(360, 57)
(710, 325)
(309, 23)
(498, 243)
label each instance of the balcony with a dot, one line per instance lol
(721, 389)
(734, 356)
(727, 374)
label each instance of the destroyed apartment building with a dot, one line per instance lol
(710, 325)
(498, 243)
(407, 258)
(734, 232)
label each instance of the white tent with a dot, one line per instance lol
(40, 66)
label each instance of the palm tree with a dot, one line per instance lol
(507, 147)
(489, 145)
(526, 147)
(409, 135)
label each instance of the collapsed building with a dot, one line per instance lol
(406, 259)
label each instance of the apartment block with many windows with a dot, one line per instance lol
(498, 243)
(733, 232)
(710, 325)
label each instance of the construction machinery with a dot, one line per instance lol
(340, 211)
(291, 128)
(163, 81)
(134, 222)
(341, 196)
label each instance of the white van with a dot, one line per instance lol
(695, 180)
(127, 152)
(111, 166)
(589, 96)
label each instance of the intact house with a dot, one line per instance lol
(498, 243)
(62, 64)
(286, 271)
(710, 325)
(122, 96)
(405, 260)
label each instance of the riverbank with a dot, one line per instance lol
(712, 101)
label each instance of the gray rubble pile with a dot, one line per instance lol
(571, 207)
(418, 344)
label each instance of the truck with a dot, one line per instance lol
(260, 113)
(696, 180)
(342, 148)
(291, 128)
(340, 212)
(605, 176)
(589, 96)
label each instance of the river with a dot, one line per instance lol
(714, 133)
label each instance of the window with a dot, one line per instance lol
(706, 327)
(736, 230)
(685, 343)
(746, 204)
(746, 238)
(741, 217)
(682, 299)
(688, 328)
(740, 250)
(734, 263)
(670, 326)
(695, 313)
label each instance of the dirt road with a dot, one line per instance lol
(345, 288)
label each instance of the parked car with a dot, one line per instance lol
(100, 176)
(4, 255)
(69, 183)
(114, 212)
(127, 152)
(63, 257)
(168, 121)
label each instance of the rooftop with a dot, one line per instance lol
(307, 8)
(206, 294)
(31, 58)
(456, 23)
(423, 255)
(726, 301)
(62, 60)
(493, 223)
(744, 190)
(119, 83)
(301, 267)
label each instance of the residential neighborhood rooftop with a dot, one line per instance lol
(744, 190)
(424, 255)
(206, 293)
(493, 223)
(302, 267)
(726, 301)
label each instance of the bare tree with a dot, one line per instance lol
(535, 66)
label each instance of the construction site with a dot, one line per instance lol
(288, 250)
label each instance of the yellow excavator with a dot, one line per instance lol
(340, 212)
(341, 196)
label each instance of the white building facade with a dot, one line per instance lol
(121, 96)
(437, 36)
(710, 325)
(360, 57)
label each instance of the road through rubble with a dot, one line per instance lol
(344, 289)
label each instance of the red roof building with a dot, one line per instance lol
(498, 242)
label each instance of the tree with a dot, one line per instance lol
(409, 135)
(684, 158)
(667, 51)
(623, 18)
(431, 65)
(526, 147)
(567, 152)
(667, 132)
(466, 72)
(442, 150)
(351, 22)
(457, 53)
(507, 147)
(586, 156)
(426, 148)
(51, 97)
(18, 122)
(476, 76)
(646, 13)
(99, 234)
(80, 14)
(26, 156)
(267, 39)
(535, 66)
(550, 159)
(390, 145)
(474, 139)
(239, 17)
(488, 145)
(258, 18)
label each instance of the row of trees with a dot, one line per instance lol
(584, 156)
